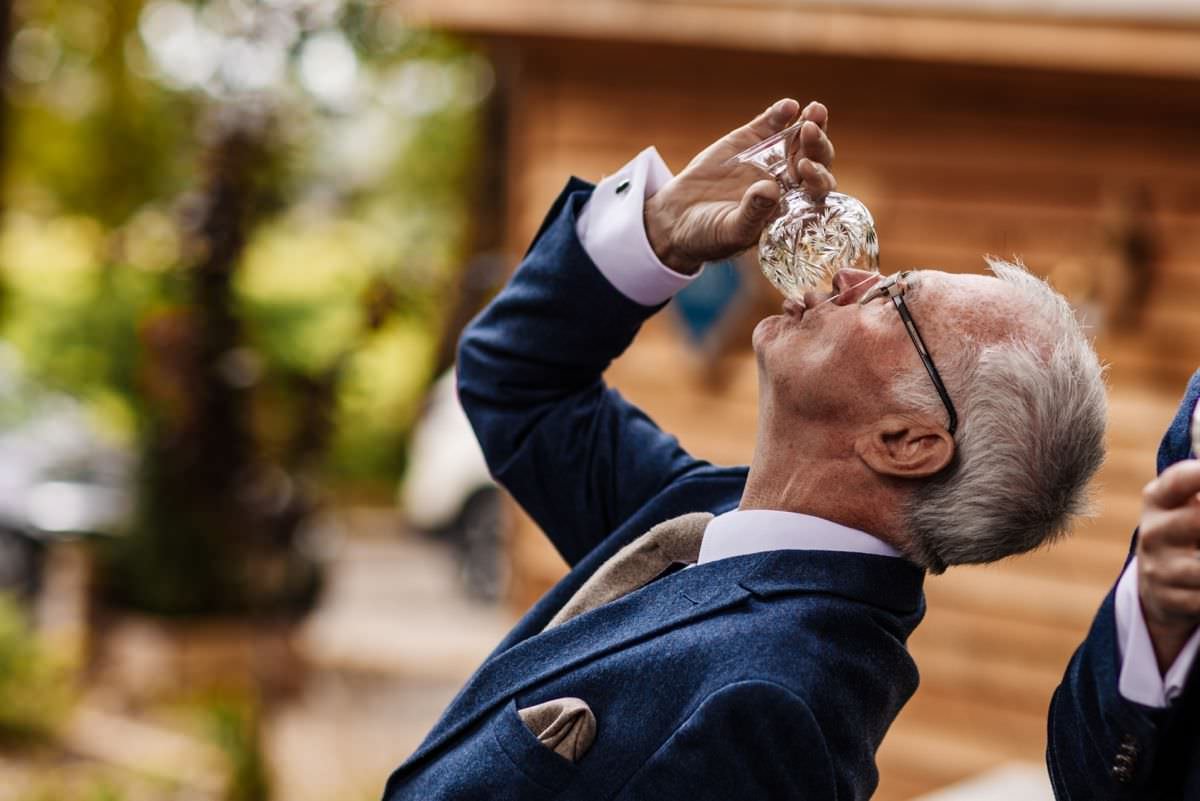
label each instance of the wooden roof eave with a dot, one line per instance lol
(1163, 48)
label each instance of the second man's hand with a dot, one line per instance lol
(715, 208)
(1168, 553)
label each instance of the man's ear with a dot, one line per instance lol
(905, 448)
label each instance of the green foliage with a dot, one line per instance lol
(271, 313)
(35, 687)
(92, 790)
(103, 791)
(356, 197)
(95, 137)
(234, 724)
(229, 720)
(76, 320)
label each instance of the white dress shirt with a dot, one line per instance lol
(1140, 680)
(613, 233)
(739, 533)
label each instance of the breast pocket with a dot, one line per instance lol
(497, 760)
(538, 763)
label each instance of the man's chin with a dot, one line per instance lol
(766, 330)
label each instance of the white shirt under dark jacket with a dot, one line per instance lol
(613, 233)
(738, 533)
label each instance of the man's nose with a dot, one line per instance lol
(851, 284)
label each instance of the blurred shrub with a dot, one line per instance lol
(35, 687)
(94, 790)
(236, 731)
(372, 165)
(253, 327)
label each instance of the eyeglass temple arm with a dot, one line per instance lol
(910, 325)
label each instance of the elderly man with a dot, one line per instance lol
(905, 424)
(1125, 722)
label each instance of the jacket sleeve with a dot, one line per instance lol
(576, 456)
(752, 739)
(1100, 746)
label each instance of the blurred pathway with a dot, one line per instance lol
(393, 641)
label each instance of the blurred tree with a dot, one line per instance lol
(218, 526)
(234, 232)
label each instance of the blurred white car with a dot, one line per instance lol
(448, 492)
(59, 478)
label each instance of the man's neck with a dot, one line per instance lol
(840, 490)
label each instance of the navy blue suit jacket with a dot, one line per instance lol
(1091, 724)
(767, 676)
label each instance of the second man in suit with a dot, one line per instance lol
(1125, 722)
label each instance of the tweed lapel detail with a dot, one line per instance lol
(638, 563)
(886, 582)
(669, 603)
(721, 494)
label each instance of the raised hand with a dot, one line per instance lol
(1169, 559)
(715, 208)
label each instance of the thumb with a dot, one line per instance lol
(757, 206)
(1177, 485)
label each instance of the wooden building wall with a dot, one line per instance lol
(955, 162)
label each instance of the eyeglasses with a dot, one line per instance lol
(894, 287)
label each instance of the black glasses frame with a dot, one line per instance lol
(894, 288)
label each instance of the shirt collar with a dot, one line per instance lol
(739, 533)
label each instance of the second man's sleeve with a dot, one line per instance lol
(1100, 745)
(1140, 680)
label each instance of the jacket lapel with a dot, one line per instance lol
(661, 606)
(886, 582)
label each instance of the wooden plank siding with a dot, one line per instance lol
(955, 162)
(1138, 39)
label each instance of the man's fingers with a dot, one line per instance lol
(818, 181)
(780, 115)
(1179, 568)
(1172, 527)
(815, 145)
(1169, 545)
(1177, 485)
(816, 112)
(812, 155)
(1178, 603)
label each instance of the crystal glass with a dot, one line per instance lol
(808, 242)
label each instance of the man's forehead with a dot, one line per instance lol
(953, 287)
(963, 303)
(929, 275)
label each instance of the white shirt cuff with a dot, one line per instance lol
(1140, 680)
(612, 230)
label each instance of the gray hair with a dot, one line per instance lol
(1033, 410)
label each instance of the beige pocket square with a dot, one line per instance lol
(564, 725)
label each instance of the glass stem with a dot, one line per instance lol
(779, 172)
